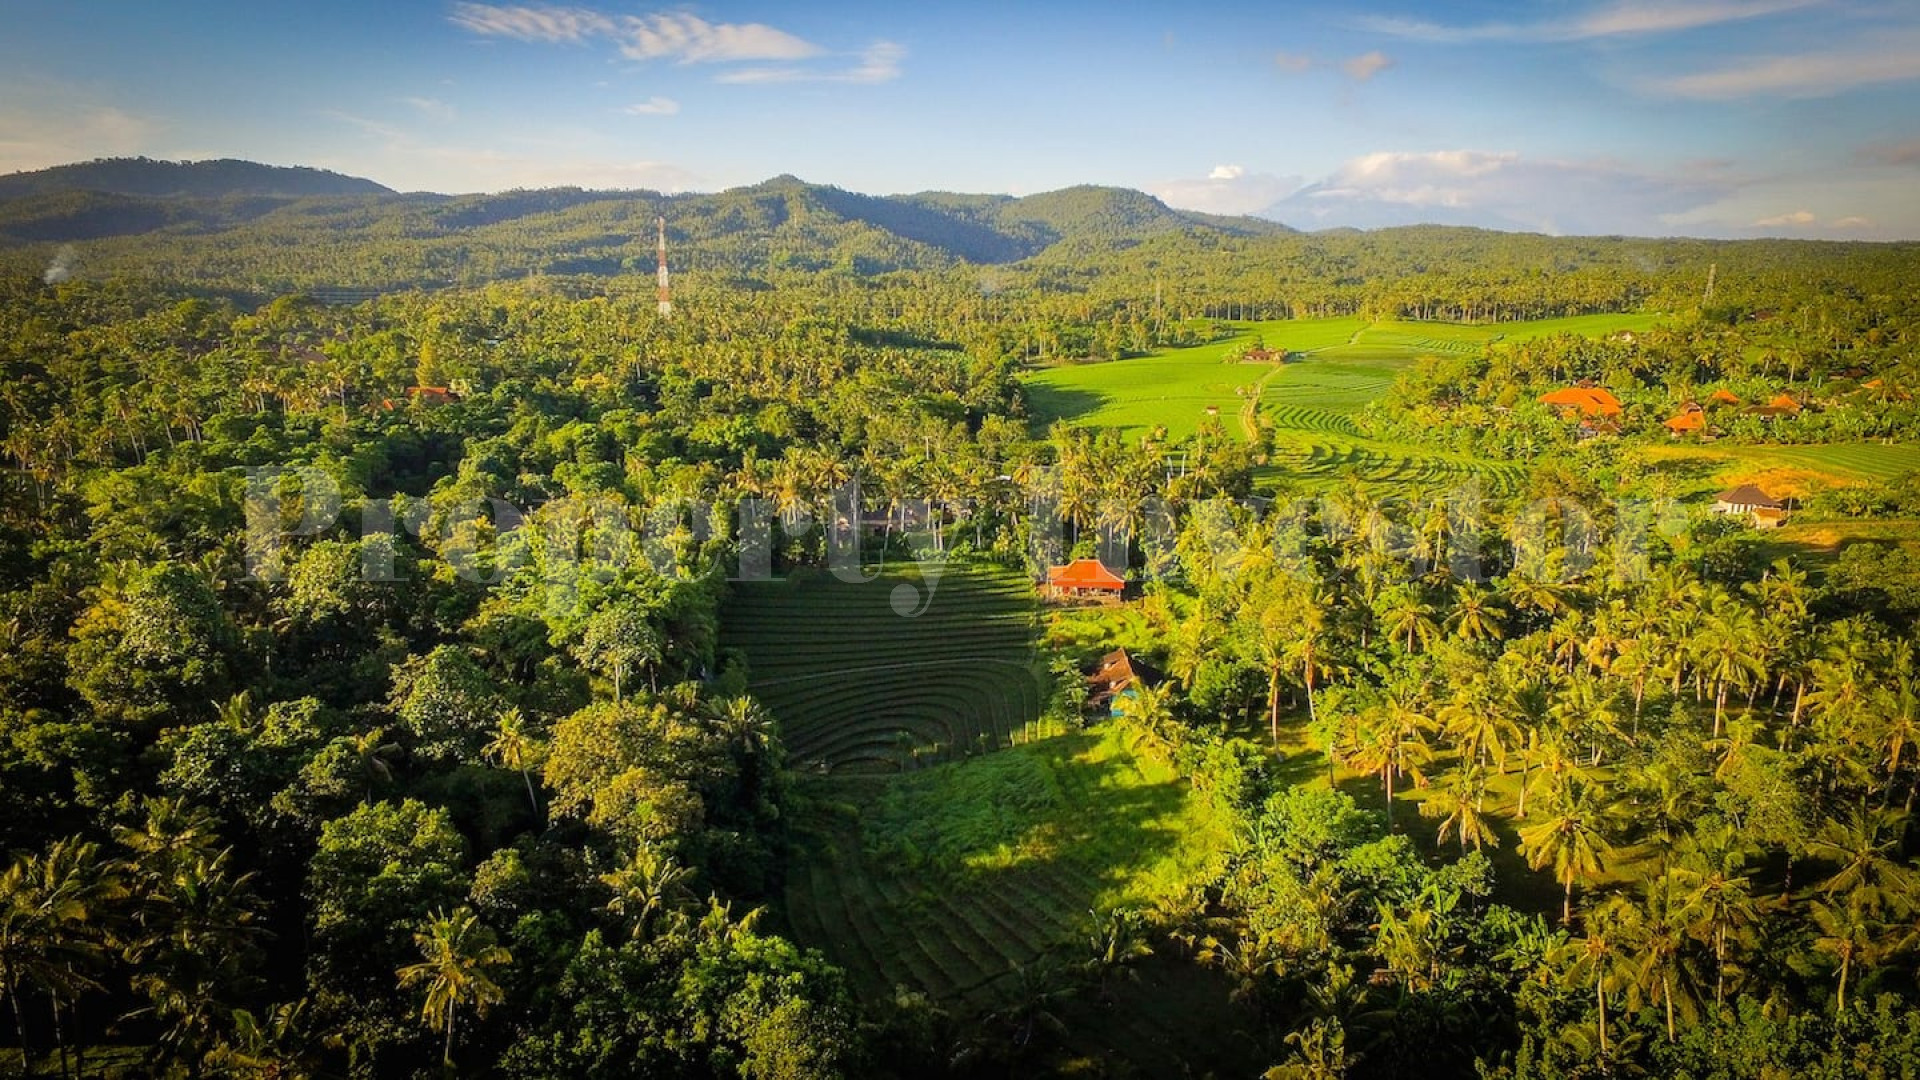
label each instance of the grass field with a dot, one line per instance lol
(1697, 470)
(1339, 366)
(856, 686)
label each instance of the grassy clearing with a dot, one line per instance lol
(1698, 470)
(947, 880)
(857, 686)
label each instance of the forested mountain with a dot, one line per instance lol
(231, 211)
(223, 178)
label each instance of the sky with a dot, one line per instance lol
(1697, 117)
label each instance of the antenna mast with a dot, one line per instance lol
(666, 297)
(1712, 268)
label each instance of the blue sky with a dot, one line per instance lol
(1705, 117)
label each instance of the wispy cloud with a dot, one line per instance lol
(410, 162)
(432, 108)
(1819, 73)
(55, 130)
(1797, 217)
(1367, 65)
(653, 106)
(679, 36)
(1227, 189)
(1611, 20)
(1895, 153)
(878, 63)
(1496, 189)
(1292, 63)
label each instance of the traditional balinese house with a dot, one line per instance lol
(1084, 579)
(1762, 509)
(1115, 677)
(1722, 397)
(1690, 420)
(1781, 405)
(1586, 402)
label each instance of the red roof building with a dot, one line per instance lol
(1584, 401)
(1084, 578)
(1691, 418)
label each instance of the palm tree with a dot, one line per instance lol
(1656, 942)
(1726, 648)
(1865, 848)
(1848, 933)
(1600, 958)
(1568, 839)
(1149, 710)
(515, 748)
(1406, 617)
(650, 884)
(1390, 740)
(459, 953)
(376, 756)
(1716, 897)
(1476, 613)
(53, 914)
(1459, 803)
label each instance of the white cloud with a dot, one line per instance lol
(432, 108)
(1496, 189)
(1810, 74)
(1227, 189)
(1367, 65)
(653, 106)
(879, 62)
(1797, 217)
(1292, 63)
(1853, 221)
(679, 36)
(1611, 20)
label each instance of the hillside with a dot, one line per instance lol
(229, 219)
(185, 179)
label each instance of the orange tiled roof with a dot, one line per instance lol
(1589, 400)
(1085, 574)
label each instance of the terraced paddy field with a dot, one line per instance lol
(858, 687)
(1338, 367)
(951, 880)
(922, 860)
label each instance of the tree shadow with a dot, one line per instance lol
(1048, 404)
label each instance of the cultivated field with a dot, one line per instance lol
(1338, 367)
(856, 686)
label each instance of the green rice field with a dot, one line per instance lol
(1338, 366)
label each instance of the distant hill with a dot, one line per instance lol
(223, 178)
(246, 218)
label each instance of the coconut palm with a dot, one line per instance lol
(649, 885)
(1406, 617)
(515, 748)
(1476, 613)
(1865, 848)
(459, 956)
(1459, 802)
(1848, 934)
(1600, 958)
(1568, 838)
(1717, 899)
(1390, 739)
